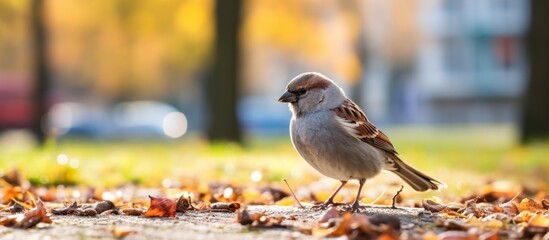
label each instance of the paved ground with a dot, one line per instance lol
(196, 225)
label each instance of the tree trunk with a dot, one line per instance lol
(40, 74)
(535, 119)
(224, 84)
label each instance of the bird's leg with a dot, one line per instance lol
(356, 205)
(330, 200)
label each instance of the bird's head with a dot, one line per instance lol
(310, 92)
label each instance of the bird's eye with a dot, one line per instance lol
(301, 91)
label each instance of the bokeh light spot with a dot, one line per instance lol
(62, 159)
(256, 176)
(174, 124)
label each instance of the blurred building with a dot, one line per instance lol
(426, 61)
(469, 66)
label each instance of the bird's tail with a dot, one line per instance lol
(417, 180)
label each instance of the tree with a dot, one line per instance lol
(40, 67)
(535, 119)
(224, 83)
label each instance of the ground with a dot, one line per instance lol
(494, 184)
(200, 225)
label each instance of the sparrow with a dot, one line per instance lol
(336, 138)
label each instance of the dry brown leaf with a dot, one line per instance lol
(106, 207)
(545, 203)
(259, 220)
(103, 206)
(243, 217)
(184, 204)
(65, 210)
(360, 226)
(33, 217)
(509, 208)
(433, 206)
(331, 213)
(132, 211)
(90, 212)
(14, 208)
(161, 207)
(231, 207)
(479, 209)
(452, 224)
(14, 178)
(8, 221)
(451, 213)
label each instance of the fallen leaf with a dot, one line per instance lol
(545, 203)
(161, 207)
(433, 206)
(33, 217)
(381, 219)
(66, 210)
(524, 216)
(530, 205)
(8, 221)
(13, 178)
(259, 220)
(331, 213)
(132, 211)
(243, 217)
(452, 224)
(15, 208)
(509, 208)
(231, 207)
(203, 206)
(184, 204)
(103, 206)
(360, 226)
(121, 232)
(539, 220)
(451, 213)
(456, 235)
(90, 212)
(535, 232)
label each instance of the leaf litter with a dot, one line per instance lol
(493, 214)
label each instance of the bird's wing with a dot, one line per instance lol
(354, 121)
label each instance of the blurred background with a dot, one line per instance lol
(452, 81)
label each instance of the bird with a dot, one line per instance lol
(333, 135)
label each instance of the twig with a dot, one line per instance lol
(395, 196)
(293, 194)
(379, 197)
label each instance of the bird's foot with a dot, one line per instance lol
(355, 207)
(326, 205)
(322, 206)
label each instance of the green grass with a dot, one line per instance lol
(449, 153)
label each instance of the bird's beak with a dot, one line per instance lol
(288, 97)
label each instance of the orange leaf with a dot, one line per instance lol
(120, 232)
(539, 220)
(530, 205)
(161, 207)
